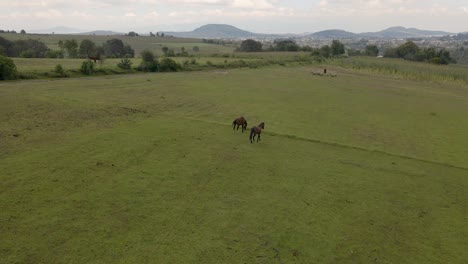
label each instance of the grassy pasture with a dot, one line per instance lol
(146, 169)
(417, 71)
(138, 43)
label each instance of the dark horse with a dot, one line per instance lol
(256, 130)
(239, 122)
(94, 58)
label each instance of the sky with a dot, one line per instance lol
(261, 16)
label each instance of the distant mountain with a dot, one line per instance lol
(214, 31)
(334, 34)
(101, 33)
(402, 32)
(55, 30)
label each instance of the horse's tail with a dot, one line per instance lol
(234, 123)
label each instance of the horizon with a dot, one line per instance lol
(261, 16)
(70, 30)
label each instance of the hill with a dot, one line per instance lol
(56, 30)
(214, 31)
(334, 33)
(101, 33)
(402, 32)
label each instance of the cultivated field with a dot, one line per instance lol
(145, 168)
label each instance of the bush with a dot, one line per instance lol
(59, 70)
(87, 67)
(168, 65)
(7, 69)
(54, 54)
(148, 62)
(125, 63)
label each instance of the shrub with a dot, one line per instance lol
(125, 63)
(7, 69)
(209, 63)
(148, 62)
(168, 65)
(59, 70)
(87, 67)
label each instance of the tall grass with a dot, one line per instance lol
(406, 69)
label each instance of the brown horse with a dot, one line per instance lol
(256, 130)
(94, 58)
(239, 122)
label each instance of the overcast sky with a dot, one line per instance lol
(269, 16)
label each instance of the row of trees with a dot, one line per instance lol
(335, 49)
(112, 48)
(32, 48)
(411, 51)
(12, 31)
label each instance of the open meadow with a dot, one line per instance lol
(145, 168)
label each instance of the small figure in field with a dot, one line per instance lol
(94, 58)
(256, 131)
(325, 71)
(239, 122)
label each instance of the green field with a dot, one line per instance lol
(145, 168)
(139, 44)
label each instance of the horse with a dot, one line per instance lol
(94, 58)
(239, 122)
(256, 130)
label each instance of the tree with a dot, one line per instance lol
(71, 46)
(23, 31)
(168, 65)
(165, 50)
(60, 44)
(162, 34)
(151, 34)
(195, 49)
(408, 50)
(31, 48)
(115, 48)
(250, 45)
(132, 34)
(87, 67)
(7, 68)
(157, 34)
(5, 46)
(337, 48)
(87, 48)
(325, 51)
(372, 50)
(286, 45)
(148, 62)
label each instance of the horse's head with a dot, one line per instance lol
(262, 125)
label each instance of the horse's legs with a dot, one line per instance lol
(258, 137)
(253, 138)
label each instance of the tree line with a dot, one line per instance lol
(335, 49)
(411, 51)
(407, 51)
(32, 48)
